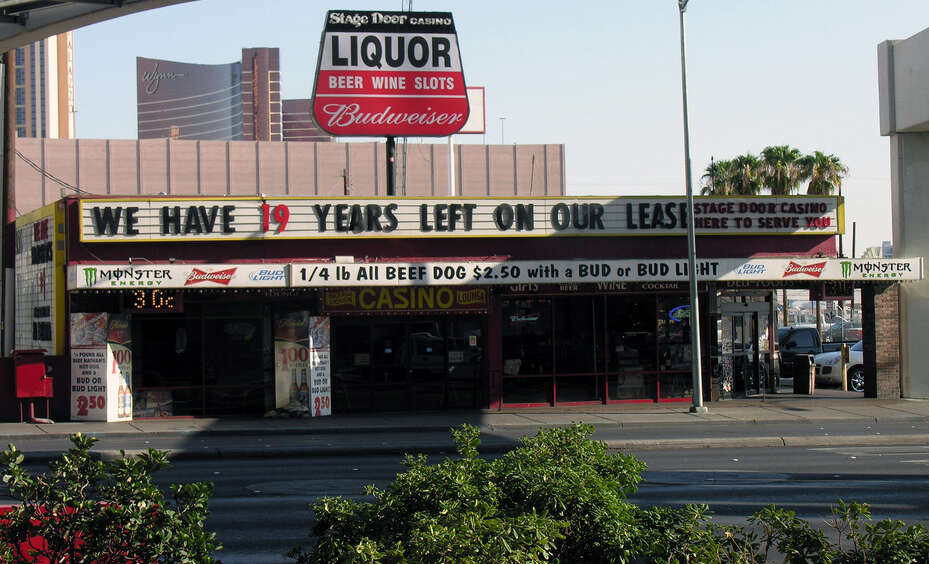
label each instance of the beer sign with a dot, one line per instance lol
(389, 74)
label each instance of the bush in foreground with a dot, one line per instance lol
(561, 496)
(87, 510)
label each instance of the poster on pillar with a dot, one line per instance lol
(321, 381)
(101, 367)
(291, 362)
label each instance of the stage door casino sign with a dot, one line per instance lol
(385, 74)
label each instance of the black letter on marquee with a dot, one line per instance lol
(107, 221)
(228, 219)
(170, 217)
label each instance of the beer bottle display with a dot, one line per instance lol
(304, 390)
(120, 401)
(294, 392)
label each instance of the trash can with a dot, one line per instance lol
(804, 374)
(32, 382)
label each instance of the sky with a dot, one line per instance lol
(602, 77)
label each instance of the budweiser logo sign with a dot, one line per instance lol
(814, 270)
(390, 74)
(221, 277)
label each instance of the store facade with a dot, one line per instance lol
(241, 306)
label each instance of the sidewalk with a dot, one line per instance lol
(779, 420)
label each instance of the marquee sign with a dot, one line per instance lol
(389, 74)
(476, 273)
(39, 257)
(192, 219)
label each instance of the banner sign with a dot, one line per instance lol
(479, 273)
(321, 379)
(389, 74)
(406, 299)
(291, 361)
(235, 219)
(594, 271)
(192, 276)
(101, 367)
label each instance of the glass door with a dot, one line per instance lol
(743, 360)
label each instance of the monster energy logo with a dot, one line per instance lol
(90, 276)
(846, 268)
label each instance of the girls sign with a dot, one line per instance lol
(389, 74)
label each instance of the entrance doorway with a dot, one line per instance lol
(744, 362)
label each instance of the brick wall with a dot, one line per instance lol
(883, 342)
(192, 168)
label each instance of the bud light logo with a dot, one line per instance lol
(751, 269)
(267, 275)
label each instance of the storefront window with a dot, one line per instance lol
(630, 346)
(390, 364)
(674, 347)
(578, 349)
(527, 351)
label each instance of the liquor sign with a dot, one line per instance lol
(101, 367)
(291, 361)
(320, 331)
(144, 220)
(390, 74)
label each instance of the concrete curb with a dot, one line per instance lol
(444, 427)
(496, 447)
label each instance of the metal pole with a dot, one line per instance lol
(451, 168)
(391, 159)
(696, 364)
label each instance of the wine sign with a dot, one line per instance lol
(386, 74)
(291, 362)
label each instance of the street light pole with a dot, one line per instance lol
(501, 130)
(696, 365)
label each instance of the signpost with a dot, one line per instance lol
(389, 74)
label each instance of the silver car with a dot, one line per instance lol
(827, 367)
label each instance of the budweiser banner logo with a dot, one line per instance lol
(814, 269)
(222, 277)
(389, 74)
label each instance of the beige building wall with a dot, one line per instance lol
(46, 169)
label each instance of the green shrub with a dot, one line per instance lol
(87, 510)
(561, 496)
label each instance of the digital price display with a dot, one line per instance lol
(153, 301)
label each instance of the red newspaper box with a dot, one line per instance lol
(31, 381)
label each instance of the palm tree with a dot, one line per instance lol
(746, 171)
(717, 180)
(782, 171)
(824, 172)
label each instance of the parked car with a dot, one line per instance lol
(794, 341)
(842, 332)
(827, 367)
